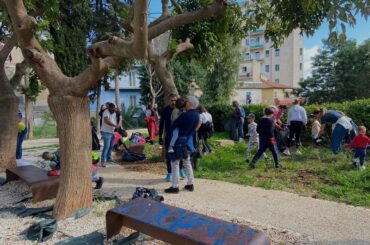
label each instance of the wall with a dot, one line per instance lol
(240, 96)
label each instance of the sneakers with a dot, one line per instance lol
(182, 174)
(189, 187)
(298, 152)
(168, 177)
(170, 149)
(99, 183)
(247, 160)
(172, 190)
(103, 164)
(252, 165)
(286, 152)
(278, 166)
(363, 167)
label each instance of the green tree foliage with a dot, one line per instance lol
(341, 72)
(34, 88)
(70, 34)
(216, 42)
(281, 17)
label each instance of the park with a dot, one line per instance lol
(184, 122)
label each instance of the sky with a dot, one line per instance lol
(360, 32)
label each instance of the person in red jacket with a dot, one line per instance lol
(359, 145)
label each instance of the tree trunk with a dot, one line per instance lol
(98, 105)
(28, 105)
(116, 89)
(8, 130)
(165, 77)
(73, 122)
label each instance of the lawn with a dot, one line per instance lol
(316, 173)
(46, 131)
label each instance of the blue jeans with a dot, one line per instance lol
(360, 153)
(108, 140)
(20, 140)
(337, 136)
(264, 144)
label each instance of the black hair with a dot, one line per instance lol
(180, 103)
(269, 111)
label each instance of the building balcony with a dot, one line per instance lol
(256, 46)
(245, 76)
(256, 32)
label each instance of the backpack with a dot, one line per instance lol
(242, 111)
(132, 156)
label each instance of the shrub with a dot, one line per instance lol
(358, 110)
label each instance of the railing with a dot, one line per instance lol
(256, 46)
(257, 32)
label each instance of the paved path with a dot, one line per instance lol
(319, 219)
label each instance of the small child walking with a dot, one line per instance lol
(253, 136)
(265, 129)
(359, 145)
(315, 129)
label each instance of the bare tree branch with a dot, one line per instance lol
(186, 18)
(182, 47)
(177, 6)
(8, 47)
(20, 71)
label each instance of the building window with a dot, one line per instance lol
(267, 53)
(258, 39)
(247, 41)
(258, 56)
(277, 67)
(132, 79)
(248, 97)
(247, 56)
(245, 69)
(277, 52)
(277, 80)
(301, 51)
(300, 66)
(267, 68)
(275, 95)
(132, 101)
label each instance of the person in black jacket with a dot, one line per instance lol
(265, 129)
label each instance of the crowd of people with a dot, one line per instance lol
(273, 134)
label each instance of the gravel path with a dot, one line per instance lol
(286, 218)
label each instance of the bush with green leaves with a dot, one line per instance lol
(358, 110)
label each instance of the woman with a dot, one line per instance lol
(205, 129)
(340, 126)
(151, 123)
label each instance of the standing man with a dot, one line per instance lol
(165, 127)
(297, 119)
(239, 115)
(109, 124)
(187, 124)
(22, 132)
(205, 128)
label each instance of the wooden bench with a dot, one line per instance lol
(178, 226)
(43, 187)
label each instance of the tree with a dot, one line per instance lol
(9, 106)
(68, 99)
(339, 69)
(151, 87)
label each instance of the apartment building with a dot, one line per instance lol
(280, 65)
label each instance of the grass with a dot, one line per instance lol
(47, 131)
(316, 173)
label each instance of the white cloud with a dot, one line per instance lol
(308, 55)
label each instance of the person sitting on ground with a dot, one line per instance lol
(187, 124)
(265, 129)
(253, 137)
(119, 136)
(297, 120)
(94, 171)
(315, 129)
(54, 164)
(359, 145)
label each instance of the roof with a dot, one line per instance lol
(265, 84)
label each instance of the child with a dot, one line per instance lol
(359, 145)
(179, 108)
(119, 138)
(265, 130)
(253, 137)
(315, 129)
(54, 159)
(94, 177)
